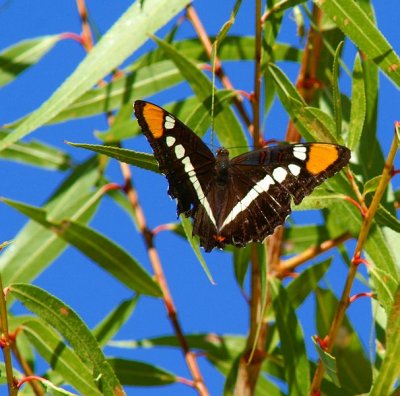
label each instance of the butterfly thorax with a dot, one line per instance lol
(222, 167)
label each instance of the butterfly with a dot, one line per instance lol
(239, 200)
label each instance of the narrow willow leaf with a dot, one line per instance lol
(390, 367)
(358, 105)
(241, 259)
(313, 124)
(21, 56)
(141, 160)
(337, 104)
(97, 247)
(371, 185)
(227, 25)
(134, 373)
(60, 357)
(73, 329)
(122, 91)
(355, 24)
(111, 324)
(296, 364)
(300, 237)
(35, 248)
(36, 154)
(232, 376)
(384, 218)
(328, 361)
(320, 198)
(125, 36)
(227, 127)
(354, 378)
(299, 289)
(194, 243)
(54, 390)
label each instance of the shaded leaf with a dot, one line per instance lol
(126, 35)
(328, 361)
(142, 160)
(292, 342)
(94, 245)
(73, 329)
(358, 105)
(337, 103)
(134, 373)
(111, 324)
(355, 24)
(16, 59)
(61, 358)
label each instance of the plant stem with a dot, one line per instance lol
(12, 389)
(365, 227)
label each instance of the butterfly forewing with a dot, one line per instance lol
(182, 156)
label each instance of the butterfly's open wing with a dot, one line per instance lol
(182, 156)
(262, 183)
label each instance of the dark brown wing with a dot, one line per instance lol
(182, 156)
(261, 183)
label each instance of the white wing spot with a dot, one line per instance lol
(300, 149)
(262, 186)
(189, 169)
(170, 141)
(169, 122)
(300, 155)
(294, 169)
(279, 174)
(179, 151)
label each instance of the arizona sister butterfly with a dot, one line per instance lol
(239, 200)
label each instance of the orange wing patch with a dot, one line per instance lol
(154, 117)
(320, 157)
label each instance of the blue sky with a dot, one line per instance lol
(201, 306)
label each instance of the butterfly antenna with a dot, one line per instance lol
(213, 58)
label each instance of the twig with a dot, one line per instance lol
(287, 266)
(205, 40)
(86, 31)
(148, 235)
(365, 227)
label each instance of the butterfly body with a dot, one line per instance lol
(239, 200)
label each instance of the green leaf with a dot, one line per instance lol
(371, 185)
(328, 361)
(134, 373)
(94, 245)
(122, 91)
(296, 364)
(354, 378)
(299, 289)
(194, 243)
(300, 237)
(141, 160)
(320, 198)
(241, 259)
(355, 24)
(337, 104)
(111, 324)
(313, 124)
(390, 368)
(125, 36)
(35, 248)
(227, 25)
(73, 329)
(227, 127)
(36, 154)
(16, 59)
(384, 218)
(358, 105)
(60, 357)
